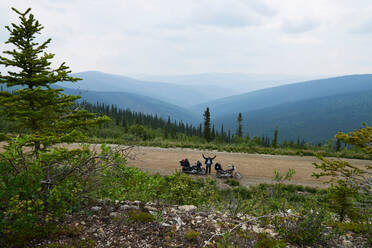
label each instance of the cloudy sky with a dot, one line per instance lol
(196, 36)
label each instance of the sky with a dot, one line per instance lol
(170, 37)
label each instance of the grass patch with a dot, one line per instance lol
(139, 216)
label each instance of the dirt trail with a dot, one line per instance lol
(255, 168)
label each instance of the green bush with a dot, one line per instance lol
(136, 215)
(191, 235)
(264, 241)
(27, 204)
(232, 182)
(307, 229)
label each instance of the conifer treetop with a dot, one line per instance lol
(44, 112)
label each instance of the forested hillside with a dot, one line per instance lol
(315, 120)
(180, 95)
(314, 110)
(288, 93)
(137, 103)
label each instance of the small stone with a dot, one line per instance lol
(101, 231)
(347, 243)
(126, 207)
(96, 208)
(165, 224)
(114, 214)
(116, 201)
(83, 223)
(257, 229)
(244, 227)
(149, 208)
(270, 232)
(187, 208)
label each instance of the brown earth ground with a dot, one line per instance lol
(254, 168)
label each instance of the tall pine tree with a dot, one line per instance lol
(239, 131)
(44, 111)
(207, 125)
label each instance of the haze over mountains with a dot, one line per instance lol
(314, 110)
(181, 95)
(137, 103)
(230, 83)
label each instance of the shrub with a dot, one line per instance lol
(232, 182)
(263, 241)
(191, 235)
(136, 215)
(307, 229)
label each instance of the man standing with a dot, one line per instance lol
(208, 163)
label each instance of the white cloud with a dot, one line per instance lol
(300, 25)
(194, 36)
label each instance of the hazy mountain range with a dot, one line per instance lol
(230, 83)
(314, 110)
(136, 102)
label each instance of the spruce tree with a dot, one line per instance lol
(223, 134)
(239, 131)
(35, 105)
(275, 140)
(207, 125)
(213, 133)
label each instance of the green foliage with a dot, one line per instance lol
(44, 182)
(207, 125)
(191, 235)
(225, 242)
(307, 229)
(280, 178)
(354, 227)
(264, 241)
(351, 186)
(275, 139)
(136, 215)
(35, 106)
(232, 182)
(342, 200)
(141, 132)
(239, 131)
(133, 184)
(28, 201)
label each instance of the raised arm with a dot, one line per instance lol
(204, 156)
(213, 157)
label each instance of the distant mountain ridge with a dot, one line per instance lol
(137, 103)
(287, 93)
(314, 110)
(315, 120)
(183, 96)
(230, 83)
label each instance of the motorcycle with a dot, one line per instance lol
(228, 173)
(196, 169)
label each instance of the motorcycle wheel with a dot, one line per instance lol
(237, 175)
(202, 171)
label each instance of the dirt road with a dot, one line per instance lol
(255, 168)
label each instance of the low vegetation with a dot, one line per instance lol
(41, 184)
